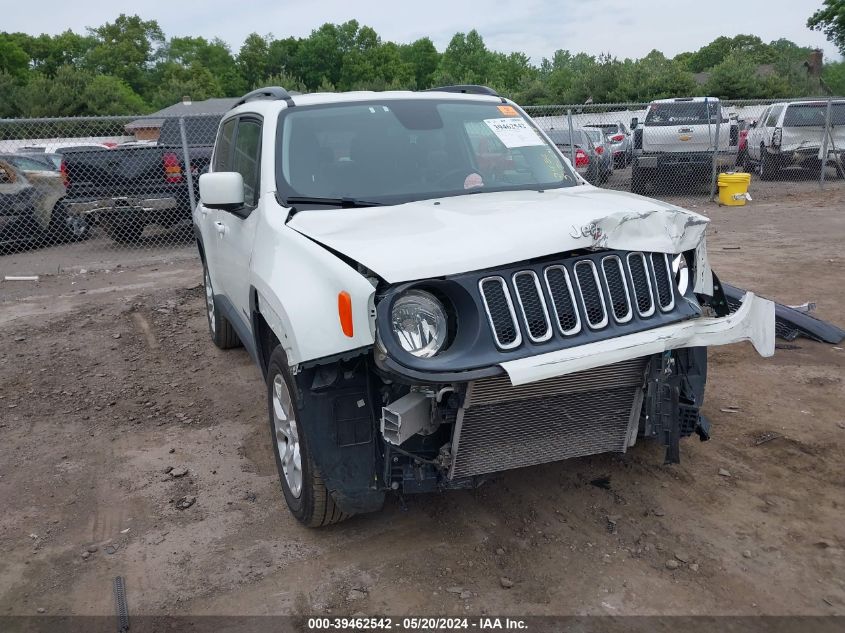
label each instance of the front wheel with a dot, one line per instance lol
(306, 495)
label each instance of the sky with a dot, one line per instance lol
(535, 27)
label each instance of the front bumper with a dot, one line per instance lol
(680, 160)
(754, 321)
(109, 206)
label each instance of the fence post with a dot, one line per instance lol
(571, 138)
(824, 142)
(186, 155)
(715, 167)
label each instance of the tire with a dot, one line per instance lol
(124, 232)
(67, 228)
(639, 180)
(768, 167)
(306, 495)
(221, 331)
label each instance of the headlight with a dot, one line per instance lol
(681, 272)
(418, 321)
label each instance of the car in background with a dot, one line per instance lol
(43, 172)
(620, 141)
(792, 134)
(18, 226)
(586, 159)
(604, 153)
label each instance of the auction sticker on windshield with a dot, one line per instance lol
(514, 132)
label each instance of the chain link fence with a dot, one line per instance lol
(676, 149)
(77, 191)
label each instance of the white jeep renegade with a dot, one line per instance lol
(433, 295)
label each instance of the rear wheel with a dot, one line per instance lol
(65, 227)
(222, 333)
(306, 495)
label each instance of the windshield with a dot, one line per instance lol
(813, 114)
(682, 113)
(395, 151)
(595, 135)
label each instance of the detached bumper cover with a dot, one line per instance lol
(754, 321)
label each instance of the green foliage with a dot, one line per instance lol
(125, 49)
(77, 92)
(129, 66)
(830, 20)
(833, 75)
(734, 78)
(14, 60)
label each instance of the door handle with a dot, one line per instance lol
(220, 228)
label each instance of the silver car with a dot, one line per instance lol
(604, 152)
(619, 139)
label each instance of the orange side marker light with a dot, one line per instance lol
(344, 311)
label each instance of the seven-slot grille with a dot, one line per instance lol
(613, 287)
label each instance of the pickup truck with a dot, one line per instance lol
(792, 134)
(680, 139)
(125, 189)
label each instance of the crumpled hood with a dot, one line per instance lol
(459, 234)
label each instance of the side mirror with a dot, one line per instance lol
(222, 190)
(634, 122)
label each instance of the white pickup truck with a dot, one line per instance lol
(433, 295)
(679, 140)
(793, 133)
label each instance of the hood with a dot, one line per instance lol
(446, 236)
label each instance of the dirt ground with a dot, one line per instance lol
(108, 379)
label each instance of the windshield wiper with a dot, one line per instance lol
(343, 203)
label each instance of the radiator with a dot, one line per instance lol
(502, 427)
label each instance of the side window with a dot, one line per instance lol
(761, 122)
(772, 119)
(246, 158)
(223, 147)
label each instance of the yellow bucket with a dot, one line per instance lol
(733, 188)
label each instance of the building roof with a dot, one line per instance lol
(191, 108)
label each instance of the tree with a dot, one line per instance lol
(126, 49)
(830, 20)
(9, 89)
(465, 60)
(201, 56)
(734, 78)
(253, 59)
(77, 92)
(14, 60)
(423, 58)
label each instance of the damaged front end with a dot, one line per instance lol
(558, 357)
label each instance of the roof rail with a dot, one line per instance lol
(470, 89)
(270, 93)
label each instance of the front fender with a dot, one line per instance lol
(297, 283)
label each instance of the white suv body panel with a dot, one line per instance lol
(465, 233)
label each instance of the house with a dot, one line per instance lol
(148, 128)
